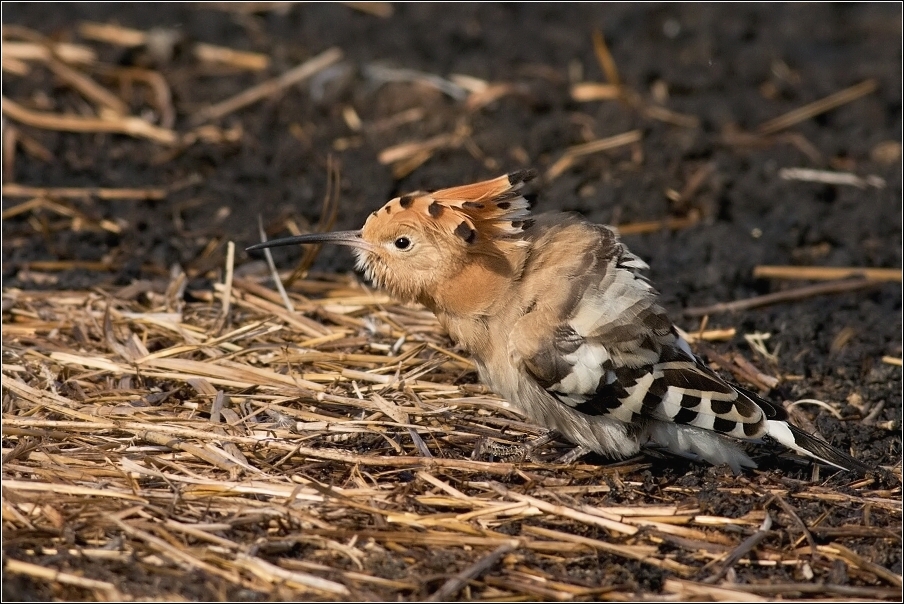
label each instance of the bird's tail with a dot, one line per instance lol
(796, 439)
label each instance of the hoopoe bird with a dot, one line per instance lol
(562, 323)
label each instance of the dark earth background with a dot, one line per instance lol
(732, 66)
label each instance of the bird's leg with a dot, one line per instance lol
(486, 448)
(573, 455)
(526, 450)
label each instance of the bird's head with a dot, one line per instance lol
(448, 249)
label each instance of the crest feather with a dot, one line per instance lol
(486, 214)
(493, 208)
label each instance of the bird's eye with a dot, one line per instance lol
(402, 243)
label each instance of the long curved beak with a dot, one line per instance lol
(347, 238)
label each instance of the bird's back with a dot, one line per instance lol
(581, 344)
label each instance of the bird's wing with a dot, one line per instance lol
(603, 346)
(609, 349)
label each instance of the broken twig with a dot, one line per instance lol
(791, 295)
(813, 109)
(268, 88)
(131, 126)
(825, 273)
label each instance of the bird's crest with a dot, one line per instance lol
(474, 215)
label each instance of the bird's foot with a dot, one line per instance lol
(526, 451)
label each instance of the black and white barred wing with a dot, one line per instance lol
(614, 352)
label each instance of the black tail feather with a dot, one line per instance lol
(825, 452)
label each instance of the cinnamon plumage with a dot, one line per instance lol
(562, 323)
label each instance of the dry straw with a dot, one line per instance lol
(325, 453)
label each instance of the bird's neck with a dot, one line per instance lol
(481, 288)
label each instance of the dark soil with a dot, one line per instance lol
(732, 66)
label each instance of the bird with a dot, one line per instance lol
(563, 323)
